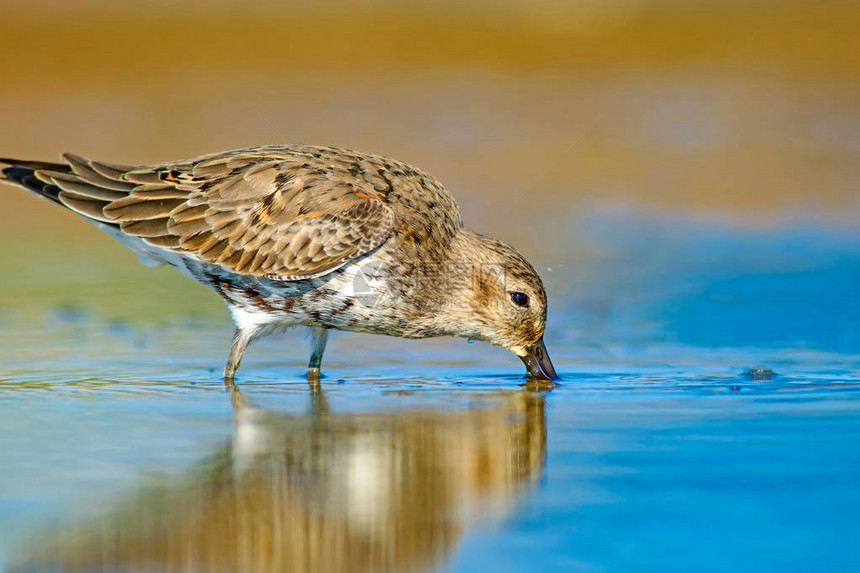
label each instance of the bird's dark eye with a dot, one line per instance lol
(520, 298)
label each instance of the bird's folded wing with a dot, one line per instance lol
(285, 214)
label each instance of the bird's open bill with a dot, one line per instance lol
(538, 363)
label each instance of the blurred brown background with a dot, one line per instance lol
(530, 111)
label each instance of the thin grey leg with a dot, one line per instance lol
(240, 342)
(319, 337)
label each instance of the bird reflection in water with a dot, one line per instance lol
(319, 492)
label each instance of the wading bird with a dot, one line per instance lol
(286, 233)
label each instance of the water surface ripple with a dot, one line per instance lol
(707, 420)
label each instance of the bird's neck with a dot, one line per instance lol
(445, 287)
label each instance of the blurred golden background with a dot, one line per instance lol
(529, 111)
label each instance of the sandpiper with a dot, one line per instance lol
(316, 236)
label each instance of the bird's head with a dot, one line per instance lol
(500, 299)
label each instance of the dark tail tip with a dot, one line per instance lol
(25, 177)
(62, 167)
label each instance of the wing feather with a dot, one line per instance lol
(134, 208)
(110, 170)
(74, 184)
(287, 212)
(84, 170)
(145, 227)
(87, 207)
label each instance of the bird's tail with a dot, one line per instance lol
(23, 174)
(86, 195)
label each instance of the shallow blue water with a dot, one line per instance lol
(707, 420)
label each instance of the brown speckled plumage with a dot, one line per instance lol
(284, 232)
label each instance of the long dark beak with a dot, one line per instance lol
(538, 363)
